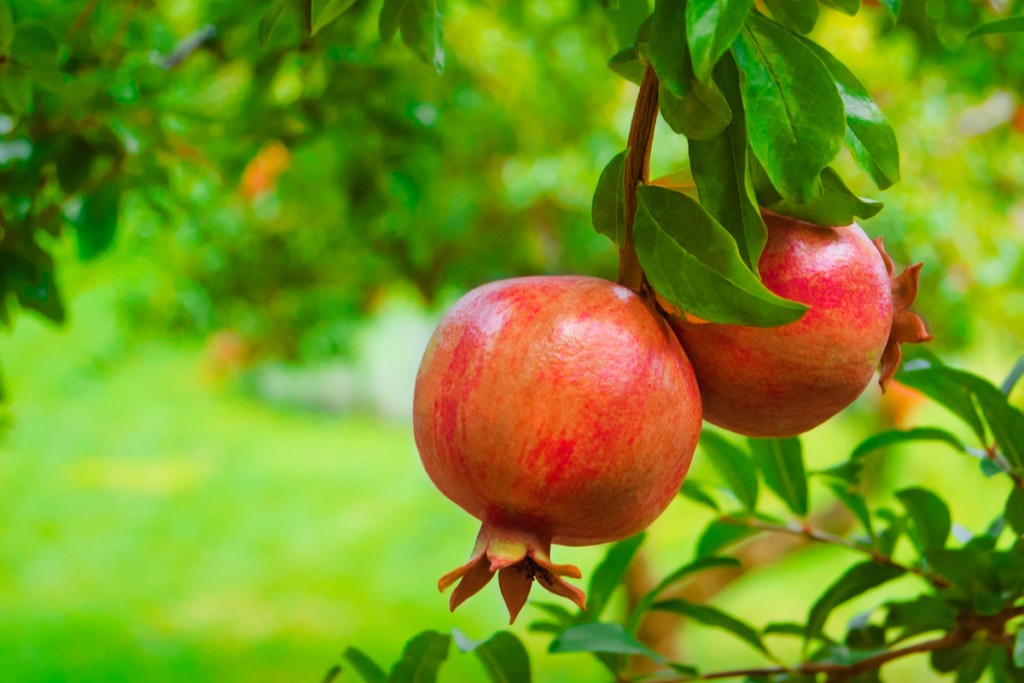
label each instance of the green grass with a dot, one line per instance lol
(158, 526)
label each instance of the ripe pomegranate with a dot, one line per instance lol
(781, 381)
(554, 410)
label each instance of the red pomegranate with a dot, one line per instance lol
(554, 410)
(781, 381)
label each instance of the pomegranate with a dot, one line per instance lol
(554, 409)
(781, 381)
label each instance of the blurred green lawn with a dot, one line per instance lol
(160, 527)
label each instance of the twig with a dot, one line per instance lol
(825, 537)
(637, 171)
(82, 17)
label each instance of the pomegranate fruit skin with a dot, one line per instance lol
(554, 409)
(782, 381)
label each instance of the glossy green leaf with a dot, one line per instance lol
(503, 655)
(799, 15)
(34, 45)
(1014, 513)
(607, 576)
(895, 436)
(608, 210)
(848, 7)
(855, 503)
(689, 107)
(628, 63)
(718, 535)
(1005, 421)
(734, 466)
(857, 580)
(15, 90)
(269, 21)
(601, 637)
(927, 375)
(97, 221)
(1007, 25)
(694, 263)
(326, 11)
(837, 205)
(869, 135)
(794, 112)
(6, 26)
(1018, 648)
(367, 669)
(781, 461)
(686, 571)
(422, 658)
(711, 27)
(930, 520)
(420, 26)
(390, 17)
(722, 174)
(695, 491)
(711, 616)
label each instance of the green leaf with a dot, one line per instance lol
(719, 534)
(608, 210)
(837, 205)
(781, 461)
(601, 637)
(930, 521)
(367, 669)
(694, 491)
(628, 64)
(857, 580)
(694, 263)
(390, 17)
(855, 503)
(420, 25)
(894, 436)
(799, 15)
(893, 6)
(37, 290)
(794, 111)
(97, 221)
(722, 174)
(6, 26)
(34, 45)
(1005, 421)
(684, 572)
(689, 107)
(869, 135)
(711, 616)
(734, 465)
(556, 611)
(609, 574)
(421, 659)
(711, 27)
(269, 20)
(1018, 648)
(1015, 510)
(326, 11)
(848, 7)
(928, 376)
(1007, 25)
(16, 89)
(503, 656)
(924, 613)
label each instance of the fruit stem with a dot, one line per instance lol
(637, 172)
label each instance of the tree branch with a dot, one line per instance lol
(638, 162)
(824, 537)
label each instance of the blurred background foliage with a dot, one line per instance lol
(229, 231)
